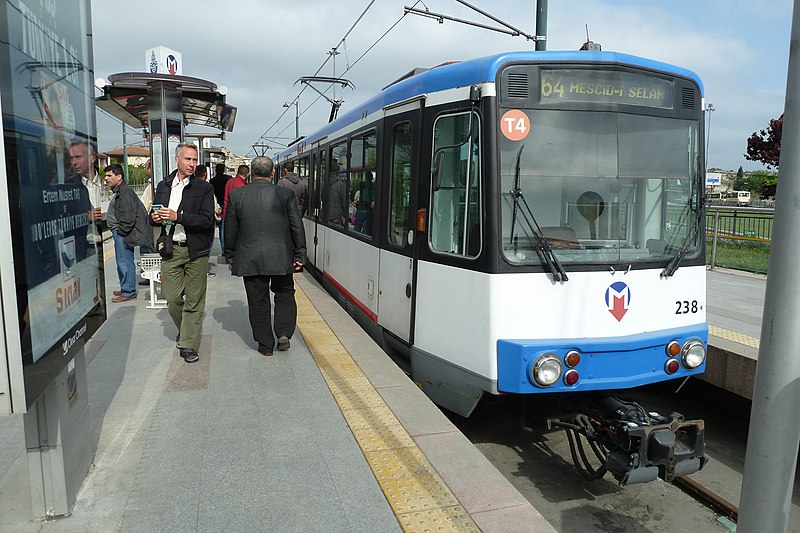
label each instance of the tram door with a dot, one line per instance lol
(314, 244)
(397, 258)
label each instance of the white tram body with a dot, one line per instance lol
(524, 208)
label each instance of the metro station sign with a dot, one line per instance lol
(162, 60)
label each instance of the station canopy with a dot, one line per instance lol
(125, 97)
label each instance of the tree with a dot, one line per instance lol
(760, 183)
(765, 145)
(769, 186)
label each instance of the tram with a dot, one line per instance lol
(527, 223)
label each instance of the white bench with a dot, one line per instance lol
(151, 270)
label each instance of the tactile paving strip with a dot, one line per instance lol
(734, 336)
(412, 494)
(442, 519)
(419, 498)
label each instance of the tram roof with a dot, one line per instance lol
(482, 70)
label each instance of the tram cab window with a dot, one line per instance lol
(455, 225)
(624, 185)
(362, 196)
(400, 184)
(336, 202)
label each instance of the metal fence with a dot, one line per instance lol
(740, 224)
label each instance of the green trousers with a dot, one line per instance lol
(183, 284)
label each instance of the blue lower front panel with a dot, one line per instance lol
(606, 363)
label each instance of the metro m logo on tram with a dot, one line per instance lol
(618, 299)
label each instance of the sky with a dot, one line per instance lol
(258, 49)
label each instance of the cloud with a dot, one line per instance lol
(259, 50)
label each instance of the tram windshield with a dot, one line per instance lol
(603, 187)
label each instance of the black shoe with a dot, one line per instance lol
(264, 350)
(144, 282)
(283, 343)
(189, 355)
(177, 340)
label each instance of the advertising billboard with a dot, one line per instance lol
(713, 179)
(53, 186)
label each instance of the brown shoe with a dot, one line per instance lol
(122, 298)
(117, 293)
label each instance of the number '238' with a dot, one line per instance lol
(686, 307)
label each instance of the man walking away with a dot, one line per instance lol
(188, 207)
(219, 181)
(291, 180)
(201, 173)
(239, 180)
(265, 241)
(127, 220)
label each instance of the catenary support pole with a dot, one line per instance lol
(124, 152)
(772, 443)
(541, 23)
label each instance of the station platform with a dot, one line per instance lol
(735, 305)
(327, 436)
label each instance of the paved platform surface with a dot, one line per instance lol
(327, 436)
(735, 305)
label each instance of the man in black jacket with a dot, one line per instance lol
(127, 220)
(265, 240)
(186, 212)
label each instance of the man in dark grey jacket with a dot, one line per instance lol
(127, 220)
(291, 180)
(265, 241)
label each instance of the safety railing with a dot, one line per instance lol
(742, 224)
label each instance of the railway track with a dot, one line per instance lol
(538, 463)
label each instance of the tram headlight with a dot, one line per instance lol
(693, 354)
(546, 369)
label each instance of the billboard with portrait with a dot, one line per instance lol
(49, 136)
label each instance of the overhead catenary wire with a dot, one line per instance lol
(325, 62)
(264, 137)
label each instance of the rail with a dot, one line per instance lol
(748, 224)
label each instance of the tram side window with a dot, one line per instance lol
(400, 184)
(363, 154)
(455, 202)
(337, 205)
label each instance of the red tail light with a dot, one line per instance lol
(571, 377)
(672, 366)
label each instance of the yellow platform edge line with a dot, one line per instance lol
(425, 501)
(734, 336)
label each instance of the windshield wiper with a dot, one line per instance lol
(545, 250)
(675, 262)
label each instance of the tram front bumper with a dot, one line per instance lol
(643, 453)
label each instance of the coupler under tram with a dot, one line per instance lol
(631, 443)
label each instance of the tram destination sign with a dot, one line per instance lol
(604, 86)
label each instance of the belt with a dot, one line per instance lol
(176, 243)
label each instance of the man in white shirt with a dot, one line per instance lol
(83, 164)
(187, 203)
